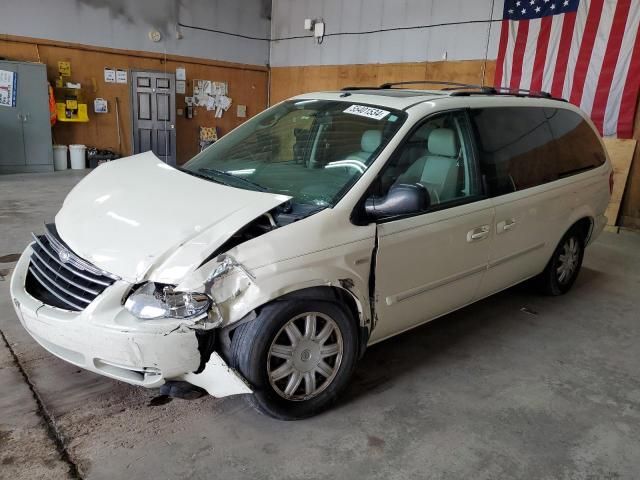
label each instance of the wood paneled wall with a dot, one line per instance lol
(247, 86)
(630, 209)
(289, 81)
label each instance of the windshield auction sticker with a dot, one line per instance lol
(368, 112)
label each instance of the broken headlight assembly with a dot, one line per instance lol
(156, 301)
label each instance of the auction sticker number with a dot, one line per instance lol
(368, 112)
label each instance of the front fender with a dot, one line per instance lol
(237, 291)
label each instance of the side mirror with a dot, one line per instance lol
(402, 199)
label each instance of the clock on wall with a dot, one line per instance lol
(155, 36)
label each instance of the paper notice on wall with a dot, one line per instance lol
(211, 103)
(64, 68)
(8, 88)
(181, 87)
(109, 75)
(201, 87)
(223, 102)
(181, 73)
(121, 76)
(100, 105)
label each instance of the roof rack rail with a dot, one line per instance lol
(518, 92)
(346, 89)
(456, 89)
(432, 82)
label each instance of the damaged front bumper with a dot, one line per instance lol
(106, 339)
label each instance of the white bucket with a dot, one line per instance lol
(60, 157)
(78, 161)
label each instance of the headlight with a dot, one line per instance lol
(154, 300)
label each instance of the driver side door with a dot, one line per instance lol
(432, 262)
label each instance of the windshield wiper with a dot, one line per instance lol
(200, 175)
(222, 173)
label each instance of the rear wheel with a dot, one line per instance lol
(297, 355)
(563, 268)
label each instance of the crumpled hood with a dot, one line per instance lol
(139, 218)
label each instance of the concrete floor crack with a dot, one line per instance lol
(51, 426)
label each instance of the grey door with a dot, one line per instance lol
(25, 130)
(36, 122)
(154, 114)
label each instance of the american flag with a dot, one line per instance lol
(586, 51)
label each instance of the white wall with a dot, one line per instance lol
(460, 42)
(125, 24)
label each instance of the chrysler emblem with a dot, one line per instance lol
(64, 256)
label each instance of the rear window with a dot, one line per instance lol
(521, 148)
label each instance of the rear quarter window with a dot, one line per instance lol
(577, 145)
(522, 147)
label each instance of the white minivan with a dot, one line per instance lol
(268, 263)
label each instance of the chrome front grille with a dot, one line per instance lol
(60, 278)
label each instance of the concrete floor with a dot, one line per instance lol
(515, 386)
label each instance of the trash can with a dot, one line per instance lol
(60, 157)
(78, 161)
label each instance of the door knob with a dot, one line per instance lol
(478, 233)
(506, 225)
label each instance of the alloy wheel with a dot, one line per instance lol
(568, 260)
(305, 356)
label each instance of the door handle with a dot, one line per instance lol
(506, 225)
(478, 233)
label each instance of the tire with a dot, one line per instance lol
(562, 270)
(320, 358)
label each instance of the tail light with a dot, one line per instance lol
(611, 182)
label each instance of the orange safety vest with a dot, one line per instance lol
(53, 115)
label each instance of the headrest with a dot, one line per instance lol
(371, 140)
(423, 132)
(442, 142)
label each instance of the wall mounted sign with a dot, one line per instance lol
(121, 76)
(100, 105)
(8, 88)
(64, 68)
(109, 75)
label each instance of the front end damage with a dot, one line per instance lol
(225, 285)
(108, 340)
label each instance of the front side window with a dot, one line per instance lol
(438, 156)
(311, 150)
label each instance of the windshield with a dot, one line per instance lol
(311, 150)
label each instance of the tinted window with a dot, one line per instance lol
(577, 145)
(516, 148)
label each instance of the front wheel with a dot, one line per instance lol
(297, 355)
(563, 268)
